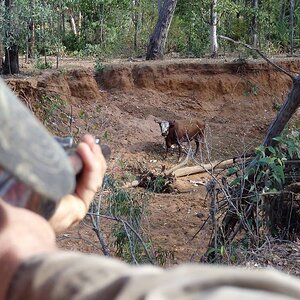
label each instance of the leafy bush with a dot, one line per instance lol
(99, 67)
(158, 184)
(255, 204)
(267, 169)
(41, 65)
(128, 209)
(71, 42)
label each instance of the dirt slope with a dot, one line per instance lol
(236, 99)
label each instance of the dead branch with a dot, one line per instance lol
(286, 112)
(183, 163)
(260, 53)
(120, 220)
(95, 219)
(131, 244)
(134, 183)
(202, 168)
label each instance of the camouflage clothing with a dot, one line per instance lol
(66, 275)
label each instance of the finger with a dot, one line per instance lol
(88, 156)
(88, 139)
(91, 157)
(94, 167)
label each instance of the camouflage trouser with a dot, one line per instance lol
(66, 275)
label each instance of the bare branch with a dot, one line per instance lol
(118, 219)
(260, 53)
(183, 163)
(131, 245)
(95, 219)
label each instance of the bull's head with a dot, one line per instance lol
(164, 127)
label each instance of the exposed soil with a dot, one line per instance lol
(237, 100)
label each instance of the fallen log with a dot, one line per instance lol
(134, 183)
(183, 163)
(202, 168)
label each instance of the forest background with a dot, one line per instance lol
(106, 29)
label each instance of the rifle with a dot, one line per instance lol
(36, 169)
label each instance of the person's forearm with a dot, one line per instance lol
(9, 264)
(68, 213)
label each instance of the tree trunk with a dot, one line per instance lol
(31, 34)
(79, 23)
(31, 39)
(287, 110)
(158, 39)
(136, 22)
(11, 61)
(213, 29)
(63, 20)
(2, 54)
(292, 28)
(73, 24)
(254, 23)
(101, 23)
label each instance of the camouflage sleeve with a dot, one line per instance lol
(65, 275)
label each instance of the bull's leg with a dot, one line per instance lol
(199, 139)
(197, 146)
(179, 151)
(167, 149)
(166, 153)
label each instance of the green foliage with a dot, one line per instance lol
(251, 89)
(267, 169)
(233, 251)
(129, 209)
(82, 115)
(105, 135)
(72, 42)
(111, 28)
(162, 256)
(53, 112)
(289, 142)
(158, 185)
(40, 64)
(194, 19)
(277, 106)
(91, 50)
(99, 66)
(50, 106)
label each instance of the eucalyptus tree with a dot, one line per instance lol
(72, 8)
(10, 36)
(31, 32)
(213, 29)
(292, 29)
(14, 31)
(136, 21)
(254, 25)
(158, 38)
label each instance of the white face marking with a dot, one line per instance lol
(164, 128)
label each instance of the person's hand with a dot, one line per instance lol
(73, 208)
(22, 235)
